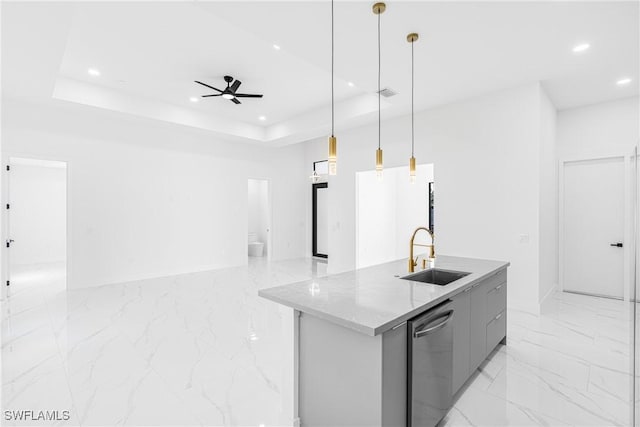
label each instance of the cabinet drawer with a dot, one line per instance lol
(496, 300)
(496, 330)
(495, 279)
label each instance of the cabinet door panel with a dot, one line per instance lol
(495, 279)
(461, 321)
(496, 331)
(496, 301)
(478, 326)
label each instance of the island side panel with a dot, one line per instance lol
(394, 377)
(340, 375)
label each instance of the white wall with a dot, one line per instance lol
(388, 211)
(38, 213)
(375, 218)
(412, 207)
(486, 157)
(149, 199)
(598, 130)
(258, 210)
(549, 214)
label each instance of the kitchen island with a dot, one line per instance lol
(353, 364)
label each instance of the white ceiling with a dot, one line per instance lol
(150, 53)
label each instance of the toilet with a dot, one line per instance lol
(255, 248)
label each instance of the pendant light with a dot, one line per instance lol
(378, 9)
(333, 143)
(411, 38)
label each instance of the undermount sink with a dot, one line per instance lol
(436, 276)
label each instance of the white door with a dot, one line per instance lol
(593, 224)
(37, 225)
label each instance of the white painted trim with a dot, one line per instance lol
(626, 157)
(24, 161)
(600, 156)
(627, 279)
(356, 222)
(561, 164)
(163, 274)
(544, 299)
(4, 262)
(523, 305)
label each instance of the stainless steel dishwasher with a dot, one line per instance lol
(430, 366)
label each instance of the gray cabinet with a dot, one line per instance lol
(487, 319)
(496, 312)
(496, 330)
(461, 305)
(478, 326)
(346, 377)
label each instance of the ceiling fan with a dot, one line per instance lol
(230, 92)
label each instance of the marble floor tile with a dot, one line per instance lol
(480, 408)
(203, 349)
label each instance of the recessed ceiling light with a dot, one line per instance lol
(194, 99)
(350, 84)
(582, 47)
(93, 72)
(624, 81)
(262, 118)
(276, 47)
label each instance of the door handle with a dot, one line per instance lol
(447, 316)
(617, 245)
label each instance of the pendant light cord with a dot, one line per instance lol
(379, 61)
(412, 90)
(332, 95)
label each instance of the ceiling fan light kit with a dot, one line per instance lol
(231, 92)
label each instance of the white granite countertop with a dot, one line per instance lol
(373, 300)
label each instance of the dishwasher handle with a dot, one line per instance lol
(447, 315)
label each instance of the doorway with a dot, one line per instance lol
(320, 220)
(259, 219)
(593, 227)
(37, 226)
(388, 211)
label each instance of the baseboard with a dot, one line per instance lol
(141, 277)
(550, 292)
(522, 305)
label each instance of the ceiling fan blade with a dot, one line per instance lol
(207, 96)
(234, 87)
(210, 87)
(235, 101)
(248, 95)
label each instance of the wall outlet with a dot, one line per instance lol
(523, 238)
